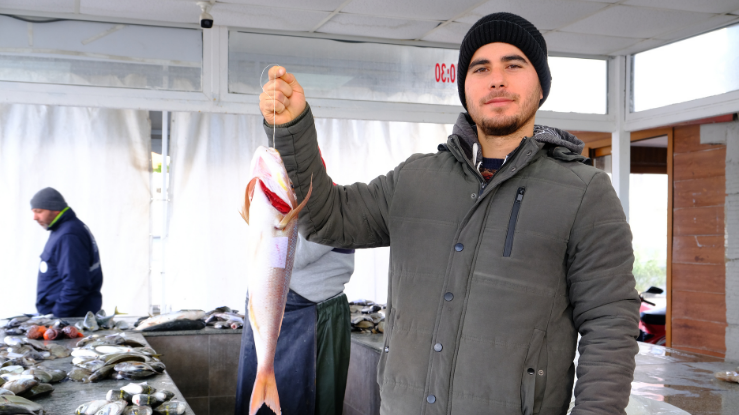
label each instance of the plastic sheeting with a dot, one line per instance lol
(210, 158)
(99, 159)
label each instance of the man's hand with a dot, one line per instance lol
(282, 98)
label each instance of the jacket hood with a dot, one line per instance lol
(466, 130)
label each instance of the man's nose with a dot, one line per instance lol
(497, 79)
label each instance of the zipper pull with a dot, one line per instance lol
(521, 191)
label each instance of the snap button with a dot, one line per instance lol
(458, 247)
(387, 349)
(530, 371)
(513, 169)
(528, 153)
(449, 296)
(431, 399)
(473, 195)
(438, 347)
(541, 372)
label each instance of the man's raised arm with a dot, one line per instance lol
(341, 216)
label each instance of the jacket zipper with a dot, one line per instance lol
(512, 222)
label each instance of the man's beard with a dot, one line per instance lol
(504, 126)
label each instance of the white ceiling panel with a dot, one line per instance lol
(317, 5)
(715, 22)
(356, 25)
(451, 33)
(161, 10)
(419, 10)
(637, 22)
(705, 6)
(545, 15)
(588, 44)
(640, 46)
(52, 6)
(258, 17)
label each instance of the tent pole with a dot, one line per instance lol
(165, 203)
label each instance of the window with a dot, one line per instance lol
(578, 85)
(698, 67)
(357, 71)
(100, 54)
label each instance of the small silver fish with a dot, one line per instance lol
(138, 410)
(171, 408)
(90, 408)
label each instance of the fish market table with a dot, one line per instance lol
(69, 395)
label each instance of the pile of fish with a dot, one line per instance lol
(101, 321)
(367, 317)
(115, 356)
(30, 324)
(225, 318)
(134, 399)
(16, 350)
(220, 318)
(28, 383)
(19, 405)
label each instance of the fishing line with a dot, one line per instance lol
(274, 107)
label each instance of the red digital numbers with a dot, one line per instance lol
(445, 73)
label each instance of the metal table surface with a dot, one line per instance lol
(68, 395)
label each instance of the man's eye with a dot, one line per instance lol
(514, 66)
(480, 69)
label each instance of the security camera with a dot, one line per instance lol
(206, 20)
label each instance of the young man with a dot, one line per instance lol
(504, 245)
(69, 275)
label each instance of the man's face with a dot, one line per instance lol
(502, 89)
(44, 217)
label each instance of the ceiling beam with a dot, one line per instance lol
(459, 16)
(330, 16)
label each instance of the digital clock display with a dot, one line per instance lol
(445, 73)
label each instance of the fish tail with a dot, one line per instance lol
(294, 213)
(265, 392)
(247, 199)
(118, 313)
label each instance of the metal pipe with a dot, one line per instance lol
(165, 204)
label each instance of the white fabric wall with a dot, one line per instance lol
(211, 154)
(99, 159)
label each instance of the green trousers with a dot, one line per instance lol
(333, 347)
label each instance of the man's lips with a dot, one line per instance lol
(496, 102)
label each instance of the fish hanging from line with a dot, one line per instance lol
(271, 210)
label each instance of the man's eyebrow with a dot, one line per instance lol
(510, 58)
(481, 61)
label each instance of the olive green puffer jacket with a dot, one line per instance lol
(488, 286)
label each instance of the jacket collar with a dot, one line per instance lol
(64, 216)
(466, 130)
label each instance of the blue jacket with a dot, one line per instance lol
(70, 275)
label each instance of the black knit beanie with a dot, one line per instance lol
(48, 198)
(506, 28)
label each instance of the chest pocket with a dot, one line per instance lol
(47, 266)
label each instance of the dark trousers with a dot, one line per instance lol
(311, 361)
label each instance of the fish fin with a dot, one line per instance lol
(293, 214)
(265, 392)
(247, 199)
(253, 321)
(118, 313)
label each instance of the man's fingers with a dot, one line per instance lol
(276, 72)
(277, 86)
(270, 106)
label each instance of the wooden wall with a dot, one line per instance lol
(698, 268)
